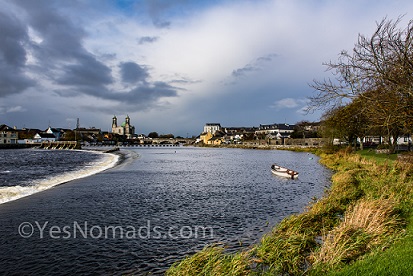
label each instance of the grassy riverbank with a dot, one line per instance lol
(362, 224)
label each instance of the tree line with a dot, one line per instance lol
(371, 90)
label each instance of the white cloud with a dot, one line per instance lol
(288, 103)
(15, 109)
(12, 109)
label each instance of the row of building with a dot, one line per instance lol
(278, 134)
(12, 135)
(215, 134)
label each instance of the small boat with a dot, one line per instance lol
(284, 172)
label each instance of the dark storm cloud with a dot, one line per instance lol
(144, 92)
(142, 96)
(62, 58)
(88, 72)
(148, 39)
(147, 93)
(61, 52)
(13, 35)
(158, 9)
(139, 98)
(61, 39)
(13, 38)
(133, 73)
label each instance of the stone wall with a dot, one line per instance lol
(311, 142)
(305, 142)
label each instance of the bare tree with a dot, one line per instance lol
(378, 72)
(382, 61)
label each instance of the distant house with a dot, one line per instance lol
(277, 131)
(57, 132)
(315, 126)
(214, 134)
(43, 137)
(205, 137)
(26, 135)
(212, 128)
(216, 140)
(235, 134)
(8, 135)
(239, 130)
(403, 140)
(88, 131)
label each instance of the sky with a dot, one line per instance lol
(173, 65)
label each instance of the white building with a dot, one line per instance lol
(212, 128)
(42, 137)
(276, 130)
(56, 132)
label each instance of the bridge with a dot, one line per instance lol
(149, 145)
(162, 141)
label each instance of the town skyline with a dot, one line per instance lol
(137, 132)
(173, 65)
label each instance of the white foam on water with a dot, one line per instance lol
(15, 192)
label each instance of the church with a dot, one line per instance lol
(125, 129)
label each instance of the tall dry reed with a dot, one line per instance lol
(367, 224)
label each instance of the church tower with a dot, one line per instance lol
(124, 129)
(127, 127)
(127, 121)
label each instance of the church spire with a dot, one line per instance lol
(127, 120)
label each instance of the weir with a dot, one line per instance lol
(60, 145)
(134, 145)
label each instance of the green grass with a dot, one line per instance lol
(212, 261)
(397, 260)
(365, 221)
(370, 154)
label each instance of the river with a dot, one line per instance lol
(156, 207)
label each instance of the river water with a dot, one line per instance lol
(158, 206)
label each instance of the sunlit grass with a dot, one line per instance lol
(212, 261)
(366, 225)
(395, 260)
